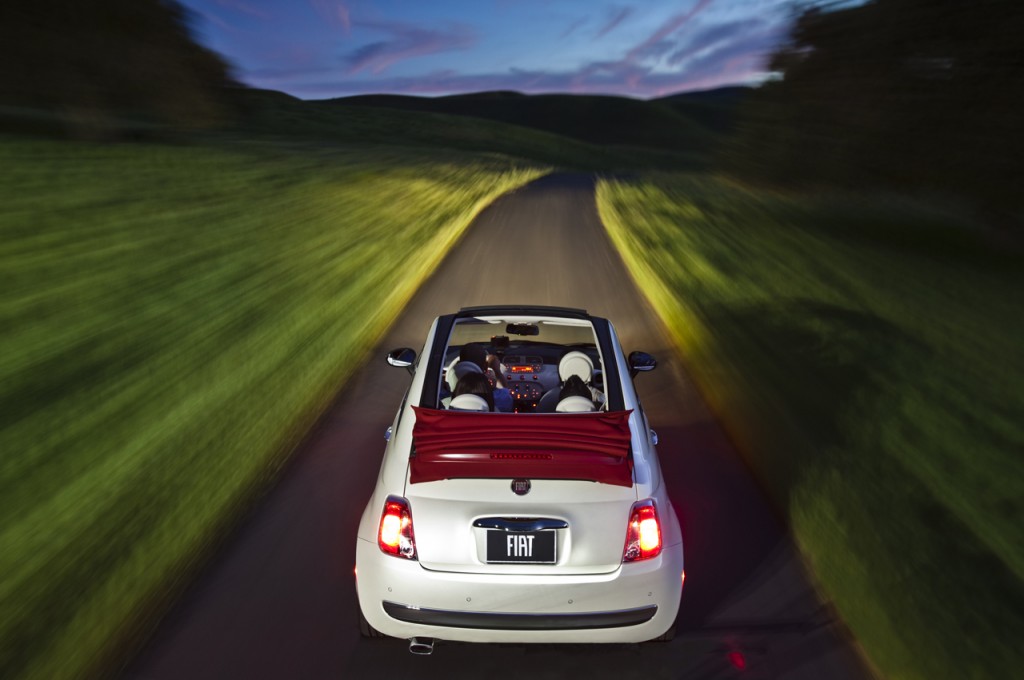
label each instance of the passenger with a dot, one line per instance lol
(475, 352)
(574, 397)
(476, 384)
(575, 387)
(579, 364)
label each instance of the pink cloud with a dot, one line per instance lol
(666, 29)
(334, 12)
(405, 42)
(344, 16)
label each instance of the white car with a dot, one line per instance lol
(547, 523)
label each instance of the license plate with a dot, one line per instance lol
(520, 547)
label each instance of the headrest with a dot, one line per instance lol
(574, 405)
(459, 369)
(576, 363)
(468, 402)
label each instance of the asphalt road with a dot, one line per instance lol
(279, 600)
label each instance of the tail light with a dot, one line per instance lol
(643, 534)
(395, 536)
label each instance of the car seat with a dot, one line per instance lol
(457, 369)
(576, 363)
(575, 405)
(573, 363)
(468, 402)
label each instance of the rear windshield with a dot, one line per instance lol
(527, 362)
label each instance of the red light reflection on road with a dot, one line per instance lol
(737, 659)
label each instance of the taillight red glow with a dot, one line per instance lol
(395, 535)
(737, 659)
(643, 533)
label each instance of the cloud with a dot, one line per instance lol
(344, 16)
(650, 51)
(404, 41)
(617, 17)
(573, 27)
(334, 12)
(670, 26)
(755, 34)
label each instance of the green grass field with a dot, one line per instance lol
(174, 318)
(867, 357)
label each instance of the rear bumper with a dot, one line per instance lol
(634, 603)
(502, 621)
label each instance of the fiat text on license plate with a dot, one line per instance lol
(520, 547)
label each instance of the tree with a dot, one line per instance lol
(904, 93)
(113, 57)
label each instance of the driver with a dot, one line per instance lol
(475, 353)
(474, 383)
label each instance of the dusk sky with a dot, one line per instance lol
(331, 48)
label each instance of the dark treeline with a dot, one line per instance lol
(908, 94)
(95, 61)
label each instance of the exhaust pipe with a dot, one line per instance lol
(421, 646)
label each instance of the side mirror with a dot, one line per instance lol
(403, 357)
(641, 362)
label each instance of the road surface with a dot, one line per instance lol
(278, 600)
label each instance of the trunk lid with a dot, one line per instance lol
(469, 517)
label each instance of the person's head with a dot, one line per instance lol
(475, 383)
(475, 352)
(575, 387)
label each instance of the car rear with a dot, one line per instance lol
(491, 566)
(484, 545)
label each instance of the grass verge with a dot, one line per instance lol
(866, 356)
(174, 318)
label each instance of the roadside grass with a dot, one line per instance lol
(173, 319)
(866, 355)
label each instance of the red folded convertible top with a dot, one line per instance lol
(468, 444)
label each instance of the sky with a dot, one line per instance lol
(318, 49)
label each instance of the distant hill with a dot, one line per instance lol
(685, 123)
(267, 113)
(715, 109)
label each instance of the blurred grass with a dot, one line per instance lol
(866, 355)
(173, 319)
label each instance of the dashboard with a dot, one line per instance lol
(523, 377)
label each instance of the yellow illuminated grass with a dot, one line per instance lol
(173, 319)
(867, 355)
